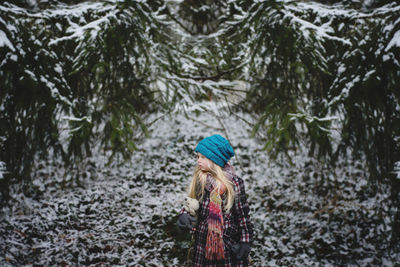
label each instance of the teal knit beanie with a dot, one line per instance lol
(216, 148)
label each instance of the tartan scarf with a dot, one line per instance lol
(215, 221)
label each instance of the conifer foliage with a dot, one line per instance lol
(73, 77)
(314, 71)
(318, 71)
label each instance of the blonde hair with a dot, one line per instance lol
(196, 187)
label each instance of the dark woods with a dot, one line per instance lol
(81, 77)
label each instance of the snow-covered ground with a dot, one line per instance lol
(304, 214)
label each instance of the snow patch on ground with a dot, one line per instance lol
(124, 213)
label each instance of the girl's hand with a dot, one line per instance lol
(241, 250)
(222, 189)
(185, 222)
(244, 251)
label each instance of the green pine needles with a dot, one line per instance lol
(321, 77)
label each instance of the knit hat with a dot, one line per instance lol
(216, 148)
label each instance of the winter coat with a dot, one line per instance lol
(237, 226)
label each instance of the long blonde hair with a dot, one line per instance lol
(196, 187)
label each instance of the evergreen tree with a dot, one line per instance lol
(326, 75)
(316, 70)
(74, 76)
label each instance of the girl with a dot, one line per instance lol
(223, 231)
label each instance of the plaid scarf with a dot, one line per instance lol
(215, 221)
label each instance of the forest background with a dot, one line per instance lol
(102, 103)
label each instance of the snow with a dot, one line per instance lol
(320, 31)
(4, 41)
(14, 58)
(3, 169)
(79, 32)
(69, 118)
(311, 118)
(397, 169)
(54, 91)
(125, 213)
(394, 42)
(76, 10)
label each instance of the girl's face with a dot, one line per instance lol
(202, 162)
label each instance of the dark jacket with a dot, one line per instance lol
(237, 228)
